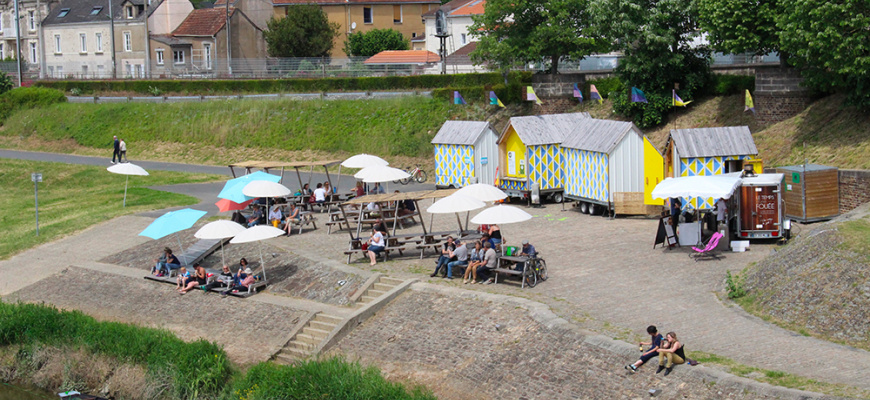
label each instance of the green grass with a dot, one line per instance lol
(74, 197)
(386, 127)
(777, 378)
(856, 236)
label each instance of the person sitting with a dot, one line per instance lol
(182, 278)
(320, 195)
(654, 344)
(378, 189)
(459, 255)
(305, 191)
(483, 229)
(166, 263)
(275, 216)
(360, 189)
(476, 259)
(244, 279)
(240, 274)
(377, 244)
(526, 251)
(199, 278)
(495, 236)
(225, 279)
(327, 187)
(490, 262)
(292, 217)
(254, 219)
(380, 226)
(672, 351)
(486, 239)
(445, 256)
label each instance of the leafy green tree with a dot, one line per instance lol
(367, 44)
(655, 37)
(512, 32)
(304, 32)
(5, 83)
(829, 41)
(740, 26)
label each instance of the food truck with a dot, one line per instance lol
(759, 211)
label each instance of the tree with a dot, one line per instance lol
(514, 32)
(829, 41)
(367, 44)
(740, 26)
(654, 37)
(304, 32)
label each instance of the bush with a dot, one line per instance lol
(644, 115)
(605, 86)
(723, 85)
(26, 98)
(5, 83)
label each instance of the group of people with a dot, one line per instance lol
(668, 349)
(187, 281)
(119, 149)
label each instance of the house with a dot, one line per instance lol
(198, 45)
(465, 152)
(530, 153)
(709, 151)
(79, 38)
(610, 164)
(31, 13)
(458, 15)
(354, 16)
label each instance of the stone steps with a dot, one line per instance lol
(383, 285)
(306, 341)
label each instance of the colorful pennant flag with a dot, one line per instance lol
(637, 96)
(594, 95)
(494, 101)
(678, 102)
(531, 96)
(457, 98)
(749, 105)
(577, 93)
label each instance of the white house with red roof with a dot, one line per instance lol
(458, 16)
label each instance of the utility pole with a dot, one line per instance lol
(229, 43)
(18, 42)
(112, 28)
(40, 44)
(147, 42)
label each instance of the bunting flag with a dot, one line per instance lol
(457, 98)
(594, 95)
(637, 96)
(531, 96)
(577, 93)
(678, 102)
(750, 105)
(494, 101)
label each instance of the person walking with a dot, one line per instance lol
(116, 149)
(123, 147)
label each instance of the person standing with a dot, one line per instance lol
(116, 149)
(123, 147)
(721, 211)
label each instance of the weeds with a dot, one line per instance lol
(734, 286)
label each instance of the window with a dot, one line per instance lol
(98, 37)
(101, 70)
(31, 20)
(57, 44)
(128, 12)
(367, 15)
(462, 38)
(178, 56)
(96, 10)
(128, 68)
(397, 14)
(63, 12)
(59, 70)
(84, 71)
(128, 42)
(206, 48)
(2, 53)
(413, 35)
(83, 39)
(1, 21)
(34, 59)
(159, 53)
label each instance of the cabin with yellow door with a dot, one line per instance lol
(530, 153)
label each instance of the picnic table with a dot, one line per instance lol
(509, 261)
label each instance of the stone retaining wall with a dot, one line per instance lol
(854, 189)
(779, 94)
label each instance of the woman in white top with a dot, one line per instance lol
(376, 246)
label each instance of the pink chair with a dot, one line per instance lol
(709, 250)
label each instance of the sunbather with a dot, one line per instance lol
(165, 263)
(243, 284)
(199, 279)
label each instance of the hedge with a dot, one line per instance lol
(285, 85)
(26, 98)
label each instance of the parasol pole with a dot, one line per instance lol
(262, 264)
(126, 182)
(223, 262)
(182, 249)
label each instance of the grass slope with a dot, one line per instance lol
(74, 197)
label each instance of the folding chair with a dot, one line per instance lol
(709, 251)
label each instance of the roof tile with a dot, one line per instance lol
(403, 57)
(203, 22)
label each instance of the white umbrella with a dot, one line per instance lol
(381, 173)
(256, 234)
(364, 160)
(483, 192)
(456, 203)
(127, 169)
(219, 230)
(265, 189)
(715, 186)
(501, 214)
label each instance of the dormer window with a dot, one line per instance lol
(128, 11)
(63, 12)
(96, 10)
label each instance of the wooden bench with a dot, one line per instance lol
(505, 261)
(306, 218)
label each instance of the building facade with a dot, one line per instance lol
(31, 13)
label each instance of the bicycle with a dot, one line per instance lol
(535, 271)
(416, 173)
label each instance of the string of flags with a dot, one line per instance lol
(637, 96)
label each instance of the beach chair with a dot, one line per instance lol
(709, 251)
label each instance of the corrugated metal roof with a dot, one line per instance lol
(600, 135)
(711, 142)
(810, 168)
(546, 129)
(460, 132)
